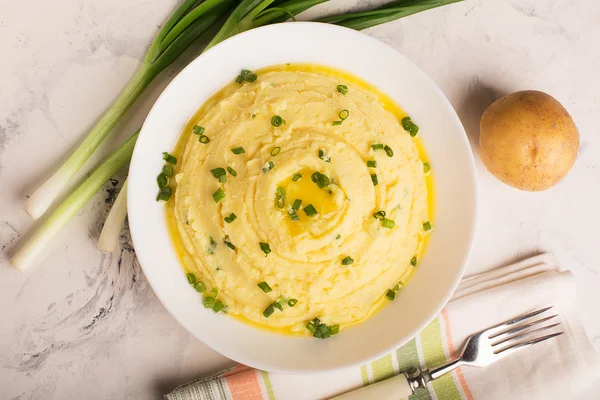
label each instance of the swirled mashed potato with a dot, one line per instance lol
(339, 262)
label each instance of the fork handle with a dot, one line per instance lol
(389, 389)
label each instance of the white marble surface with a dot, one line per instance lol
(86, 324)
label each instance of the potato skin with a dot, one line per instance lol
(528, 140)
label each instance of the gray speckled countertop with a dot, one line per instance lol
(86, 324)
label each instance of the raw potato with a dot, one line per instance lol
(528, 140)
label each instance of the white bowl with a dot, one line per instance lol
(444, 260)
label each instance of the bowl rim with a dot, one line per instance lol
(221, 347)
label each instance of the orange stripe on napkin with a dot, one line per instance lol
(452, 353)
(244, 385)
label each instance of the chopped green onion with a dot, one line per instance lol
(232, 217)
(338, 236)
(161, 180)
(379, 215)
(323, 157)
(169, 158)
(410, 126)
(280, 202)
(297, 204)
(293, 215)
(388, 151)
(168, 170)
(372, 164)
(209, 302)
(198, 130)
(334, 329)
(388, 223)
(238, 150)
(164, 194)
(413, 261)
(426, 168)
(342, 115)
(267, 167)
(274, 151)
(200, 287)
(280, 191)
(374, 179)
(390, 294)
(246, 75)
(396, 287)
(218, 306)
(218, 173)
(253, 115)
(311, 327)
(310, 210)
(343, 89)
(347, 261)
(377, 146)
(427, 226)
(292, 302)
(191, 278)
(228, 243)
(296, 177)
(265, 248)
(231, 171)
(204, 139)
(218, 195)
(265, 287)
(277, 121)
(268, 311)
(320, 179)
(278, 306)
(214, 292)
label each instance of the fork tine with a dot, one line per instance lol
(496, 329)
(515, 347)
(521, 327)
(523, 335)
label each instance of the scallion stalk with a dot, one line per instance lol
(26, 255)
(109, 237)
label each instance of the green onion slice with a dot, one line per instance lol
(218, 172)
(198, 130)
(427, 226)
(169, 158)
(232, 217)
(413, 261)
(204, 139)
(278, 306)
(390, 294)
(310, 210)
(238, 150)
(297, 204)
(218, 195)
(268, 166)
(209, 302)
(343, 89)
(161, 180)
(274, 151)
(277, 121)
(388, 150)
(268, 311)
(164, 194)
(265, 248)
(410, 126)
(374, 179)
(265, 287)
(231, 171)
(348, 260)
(334, 329)
(372, 164)
(379, 215)
(311, 327)
(296, 177)
(191, 278)
(426, 167)
(377, 146)
(199, 287)
(228, 243)
(218, 306)
(388, 223)
(292, 302)
(320, 179)
(168, 170)
(324, 157)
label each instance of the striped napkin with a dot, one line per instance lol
(558, 368)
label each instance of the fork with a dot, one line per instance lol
(480, 350)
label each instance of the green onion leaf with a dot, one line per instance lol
(277, 121)
(267, 167)
(265, 248)
(320, 179)
(209, 302)
(274, 151)
(218, 306)
(268, 311)
(228, 243)
(238, 150)
(311, 327)
(278, 306)
(214, 292)
(292, 302)
(372, 164)
(427, 226)
(343, 89)
(377, 146)
(390, 294)
(232, 217)
(231, 171)
(388, 151)
(334, 329)
(348, 260)
(374, 179)
(293, 215)
(388, 223)
(161, 180)
(296, 177)
(324, 157)
(280, 191)
(344, 114)
(204, 139)
(200, 287)
(379, 215)
(169, 158)
(426, 168)
(310, 210)
(218, 195)
(265, 287)
(297, 204)
(410, 126)
(164, 194)
(217, 172)
(191, 278)
(198, 130)
(413, 261)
